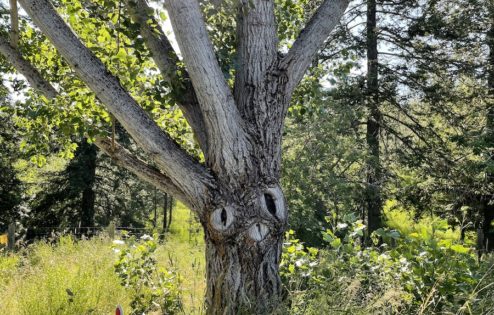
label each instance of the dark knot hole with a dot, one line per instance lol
(223, 217)
(270, 204)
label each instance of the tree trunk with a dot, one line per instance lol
(89, 154)
(243, 251)
(165, 212)
(170, 212)
(242, 268)
(243, 276)
(487, 212)
(374, 175)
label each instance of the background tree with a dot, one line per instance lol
(11, 188)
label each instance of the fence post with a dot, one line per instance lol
(11, 236)
(111, 230)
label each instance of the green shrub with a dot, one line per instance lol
(151, 289)
(418, 274)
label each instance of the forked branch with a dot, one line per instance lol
(167, 60)
(187, 174)
(228, 153)
(311, 39)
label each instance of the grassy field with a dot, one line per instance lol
(77, 277)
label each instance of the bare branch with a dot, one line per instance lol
(166, 59)
(14, 22)
(311, 39)
(186, 173)
(158, 44)
(25, 68)
(144, 171)
(228, 153)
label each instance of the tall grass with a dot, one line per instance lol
(77, 277)
(67, 277)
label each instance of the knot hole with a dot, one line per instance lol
(270, 204)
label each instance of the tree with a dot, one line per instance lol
(11, 188)
(415, 58)
(235, 192)
(68, 198)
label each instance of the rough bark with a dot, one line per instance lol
(374, 172)
(229, 149)
(243, 275)
(259, 85)
(243, 250)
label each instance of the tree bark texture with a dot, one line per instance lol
(235, 193)
(374, 173)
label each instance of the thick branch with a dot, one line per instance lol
(144, 171)
(228, 153)
(256, 53)
(311, 39)
(180, 167)
(118, 153)
(166, 59)
(25, 68)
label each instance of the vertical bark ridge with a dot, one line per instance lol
(256, 89)
(242, 275)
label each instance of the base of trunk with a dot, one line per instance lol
(242, 275)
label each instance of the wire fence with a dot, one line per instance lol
(90, 231)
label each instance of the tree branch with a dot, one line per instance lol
(311, 39)
(25, 68)
(166, 59)
(14, 22)
(186, 173)
(256, 53)
(144, 171)
(228, 153)
(118, 153)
